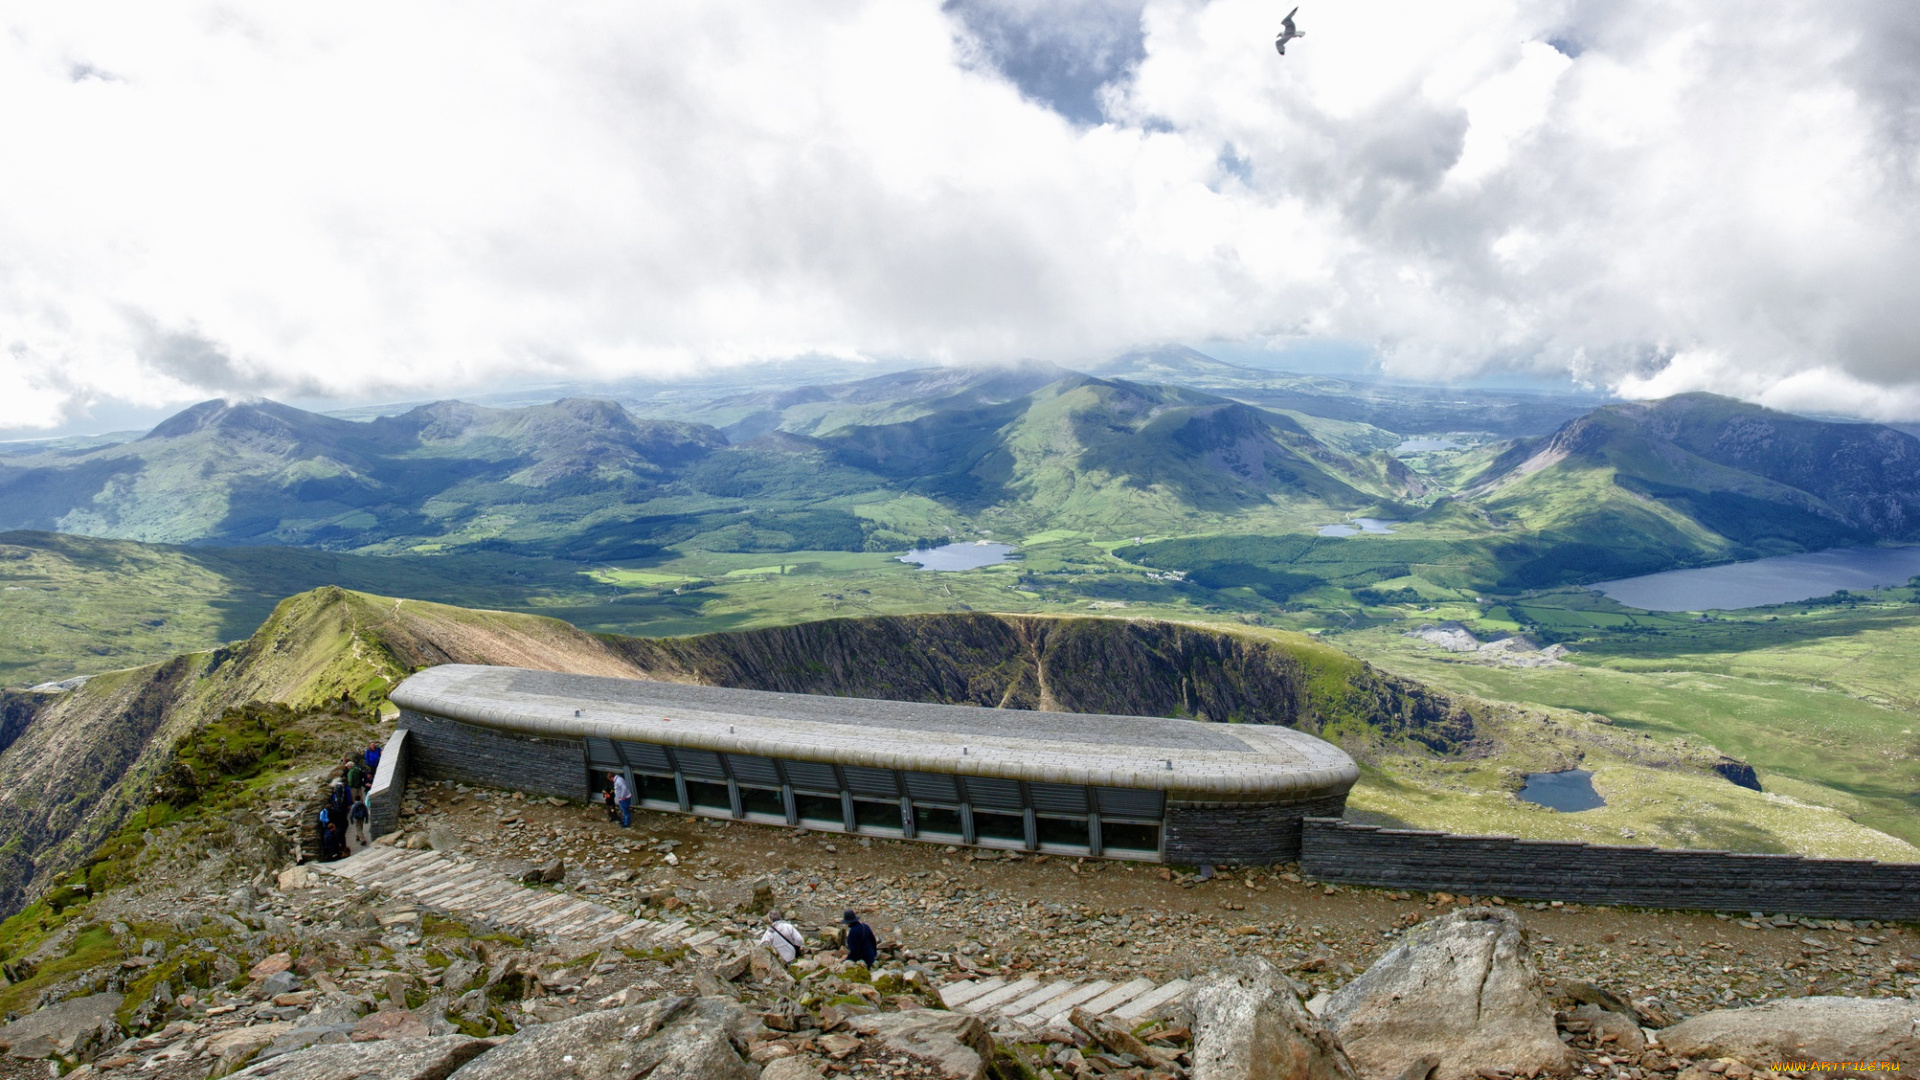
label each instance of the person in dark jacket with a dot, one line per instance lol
(372, 759)
(326, 834)
(861, 945)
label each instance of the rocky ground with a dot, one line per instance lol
(205, 966)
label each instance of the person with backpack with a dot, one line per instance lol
(861, 944)
(326, 833)
(356, 777)
(359, 815)
(373, 759)
(782, 937)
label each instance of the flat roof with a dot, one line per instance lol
(1227, 762)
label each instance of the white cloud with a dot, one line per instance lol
(355, 198)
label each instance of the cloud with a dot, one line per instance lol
(352, 199)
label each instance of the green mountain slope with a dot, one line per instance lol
(1697, 477)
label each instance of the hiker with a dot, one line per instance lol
(861, 945)
(359, 816)
(373, 758)
(326, 834)
(356, 777)
(782, 937)
(624, 797)
(340, 799)
(613, 808)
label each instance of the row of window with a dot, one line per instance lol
(939, 807)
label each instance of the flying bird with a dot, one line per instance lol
(1287, 32)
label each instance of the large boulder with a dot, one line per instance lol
(1831, 1029)
(957, 1044)
(1248, 1024)
(74, 1027)
(670, 1038)
(391, 1059)
(1462, 989)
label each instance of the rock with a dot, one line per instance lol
(69, 1028)
(764, 967)
(1585, 993)
(280, 982)
(396, 1059)
(294, 877)
(272, 965)
(708, 983)
(441, 838)
(670, 1038)
(389, 1024)
(458, 977)
(1803, 1029)
(1248, 1024)
(235, 1047)
(555, 870)
(1463, 987)
(1624, 1029)
(791, 1068)
(1735, 771)
(954, 1043)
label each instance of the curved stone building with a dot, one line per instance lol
(1132, 787)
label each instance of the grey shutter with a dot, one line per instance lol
(1058, 798)
(1131, 802)
(931, 787)
(647, 757)
(989, 793)
(876, 782)
(811, 776)
(753, 770)
(700, 764)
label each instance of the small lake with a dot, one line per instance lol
(1356, 527)
(1570, 791)
(1779, 580)
(959, 556)
(1414, 446)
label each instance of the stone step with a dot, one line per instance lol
(1064, 1004)
(994, 999)
(960, 993)
(1118, 996)
(1139, 1007)
(1046, 993)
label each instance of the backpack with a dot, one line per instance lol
(325, 817)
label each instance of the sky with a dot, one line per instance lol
(357, 201)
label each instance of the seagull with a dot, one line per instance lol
(1287, 32)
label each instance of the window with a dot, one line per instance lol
(657, 789)
(820, 810)
(706, 796)
(1116, 836)
(763, 802)
(870, 814)
(1065, 832)
(1002, 827)
(941, 821)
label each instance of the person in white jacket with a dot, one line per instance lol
(782, 937)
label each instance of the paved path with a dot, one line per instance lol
(465, 887)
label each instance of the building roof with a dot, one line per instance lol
(1225, 762)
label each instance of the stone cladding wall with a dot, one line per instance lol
(1240, 834)
(444, 749)
(1339, 851)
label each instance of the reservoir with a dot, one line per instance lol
(1779, 580)
(1415, 446)
(1356, 527)
(1570, 791)
(959, 556)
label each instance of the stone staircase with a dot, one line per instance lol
(1033, 1002)
(464, 887)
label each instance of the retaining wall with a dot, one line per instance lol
(1340, 851)
(389, 787)
(467, 753)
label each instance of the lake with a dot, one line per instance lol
(1779, 580)
(1412, 446)
(1358, 526)
(1569, 791)
(959, 556)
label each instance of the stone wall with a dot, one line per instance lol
(389, 787)
(1240, 834)
(443, 749)
(1339, 851)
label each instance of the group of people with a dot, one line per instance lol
(786, 941)
(346, 812)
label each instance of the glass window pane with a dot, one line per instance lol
(657, 789)
(762, 801)
(1000, 827)
(1064, 832)
(709, 796)
(936, 821)
(876, 815)
(1129, 837)
(819, 809)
